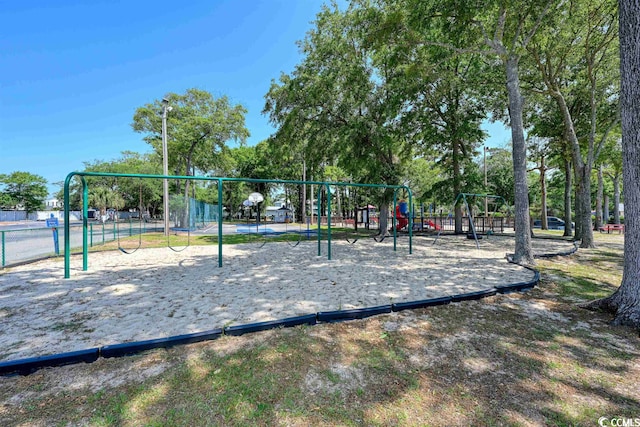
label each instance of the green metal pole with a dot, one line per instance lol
(328, 221)
(219, 222)
(91, 233)
(220, 181)
(85, 214)
(319, 221)
(411, 221)
(103, 233)
(67, 246)
(394, 221)
(130, 228)
(3, 250)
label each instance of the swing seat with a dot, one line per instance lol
(470, 236)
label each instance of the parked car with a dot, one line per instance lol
(553, 223)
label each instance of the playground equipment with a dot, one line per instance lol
(220, 181)
(363, 216)
(290, 230)
(140, 227)
(180, 211)
(464, 197)
(401, 213)
(420, 224)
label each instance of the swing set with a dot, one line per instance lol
(220, 181)
(140, 226)
(130, 251)
(465, 198)
(262, 237)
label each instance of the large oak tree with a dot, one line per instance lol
(625, 302)
(341, 104)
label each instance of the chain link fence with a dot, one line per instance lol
(23, 245)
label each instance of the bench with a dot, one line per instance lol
(612, 227)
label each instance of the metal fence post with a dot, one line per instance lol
(91, 238)
(3, 251)
(103, 233)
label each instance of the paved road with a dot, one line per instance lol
(32, 240)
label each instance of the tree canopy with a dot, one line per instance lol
(199, 127)
(23, 189)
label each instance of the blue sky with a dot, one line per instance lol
(72, 73)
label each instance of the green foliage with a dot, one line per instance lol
(199, 127)
(6, 201)
(341, 103)
(23, 189)
(104, 197)
(120, 193)
(500, 174)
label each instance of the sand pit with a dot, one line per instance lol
(156, 293)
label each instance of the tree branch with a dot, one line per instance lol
(539, 22)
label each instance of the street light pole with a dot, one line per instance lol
(165, 165)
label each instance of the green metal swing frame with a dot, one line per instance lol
(220, 182)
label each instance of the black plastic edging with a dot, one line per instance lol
(420, 304)
(566, 253)
(309, 319)
(32, 364)
(356, 313)
(515, 287)
(474, 295)
(128, 348)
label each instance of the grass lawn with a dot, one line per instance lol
(520, 359)
(157, 240)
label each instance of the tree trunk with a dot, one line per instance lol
(568, 188)
(606, 209)
(383, 218)
(523, 252)
(625, 302)
(457, 187)
(599, 199)
(577, 212)
(584, 199)
(543, 186)
(616, 199)
(582, 171)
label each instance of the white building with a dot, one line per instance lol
(52, 204)
(280, 212)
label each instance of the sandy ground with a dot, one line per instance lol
(155, 293)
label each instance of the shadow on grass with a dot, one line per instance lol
(473, 363)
